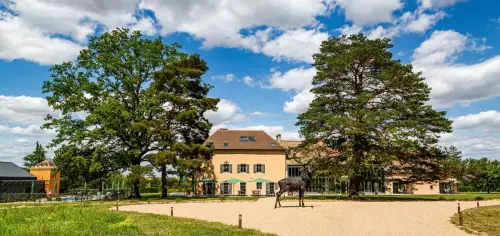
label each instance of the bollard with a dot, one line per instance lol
(477, 203)
(171, 211)
(117, 204)
(459, 208)
(240, 219)
(460, 219)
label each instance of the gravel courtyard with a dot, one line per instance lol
(326, 218)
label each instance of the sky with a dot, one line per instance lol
(259, 53)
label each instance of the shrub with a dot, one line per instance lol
(479, 198)
(442, 198)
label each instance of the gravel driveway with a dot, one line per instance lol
(326, 218)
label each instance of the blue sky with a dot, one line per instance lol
(259, 54)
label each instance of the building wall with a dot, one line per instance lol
(50, 180)
(274, 161)
(422, 187)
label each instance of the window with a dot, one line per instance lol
(398, 187)
(259, 186)
(225, 144)
(432, 186)
(270, 188)
(247, 138)
(259, 168)
(226, 168)
(210, 144)
(293, 171)
(273, 145)
(243, 168)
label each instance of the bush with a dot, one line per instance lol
(479, 198)
(442, 198)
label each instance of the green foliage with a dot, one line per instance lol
(480, 175)
(372, 109)
(36, 157)
(124, 98)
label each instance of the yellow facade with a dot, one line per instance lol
(43, 171)
(274, 170)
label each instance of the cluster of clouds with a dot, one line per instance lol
(49, 32)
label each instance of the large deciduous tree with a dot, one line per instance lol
(36, 157)
(372, 109)
(132, 95)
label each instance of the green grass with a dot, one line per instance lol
(97, 219)
(481, 221)
(407, 197)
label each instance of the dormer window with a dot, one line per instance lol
(247, 138)
(273, 145)
(210, 144)
(225, 144)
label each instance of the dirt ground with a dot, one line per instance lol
(327, 218)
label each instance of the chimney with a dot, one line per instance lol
(278, 138)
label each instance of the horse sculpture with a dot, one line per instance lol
(295, 184)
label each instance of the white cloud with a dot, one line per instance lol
(259, 113)
(298, 45)
(300, 102)
(455, 83)
(31, 130)
(369, 12)
(33, 32)
(227, 111)
(218, 23)
(248, 81)
(146, 25)
(438, 3)
(486, 121)
(227, 77)
(350, 29)
(270, 130)
(473, 146)
(423, 22)
(24, 110)
(295, 79)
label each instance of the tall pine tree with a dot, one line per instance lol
(372, 110)
(36, 157)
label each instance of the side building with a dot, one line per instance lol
(245, 162)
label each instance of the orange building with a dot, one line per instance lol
(44, 171)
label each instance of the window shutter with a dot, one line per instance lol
(276, 186)
(230, 192)
(263, 168)
(221, 188)
(254, 168)
(221, 168)
(230, 168)
(248, 168)
(267, 188)
(238, 168)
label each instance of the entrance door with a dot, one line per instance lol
(209, 188)
(243, 188)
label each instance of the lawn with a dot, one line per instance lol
(156, 196)
(97, 219)
(481, 221)
(407, 197)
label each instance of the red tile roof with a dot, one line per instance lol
(232, 138)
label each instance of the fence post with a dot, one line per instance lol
(477, 203)
(171, 211)
(240, 220)
(460, 216)
(117, 204)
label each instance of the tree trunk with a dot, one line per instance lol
(137, 193)
(354, 184)
(164, 192)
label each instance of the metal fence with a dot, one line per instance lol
(21, 190)
(331, 185)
